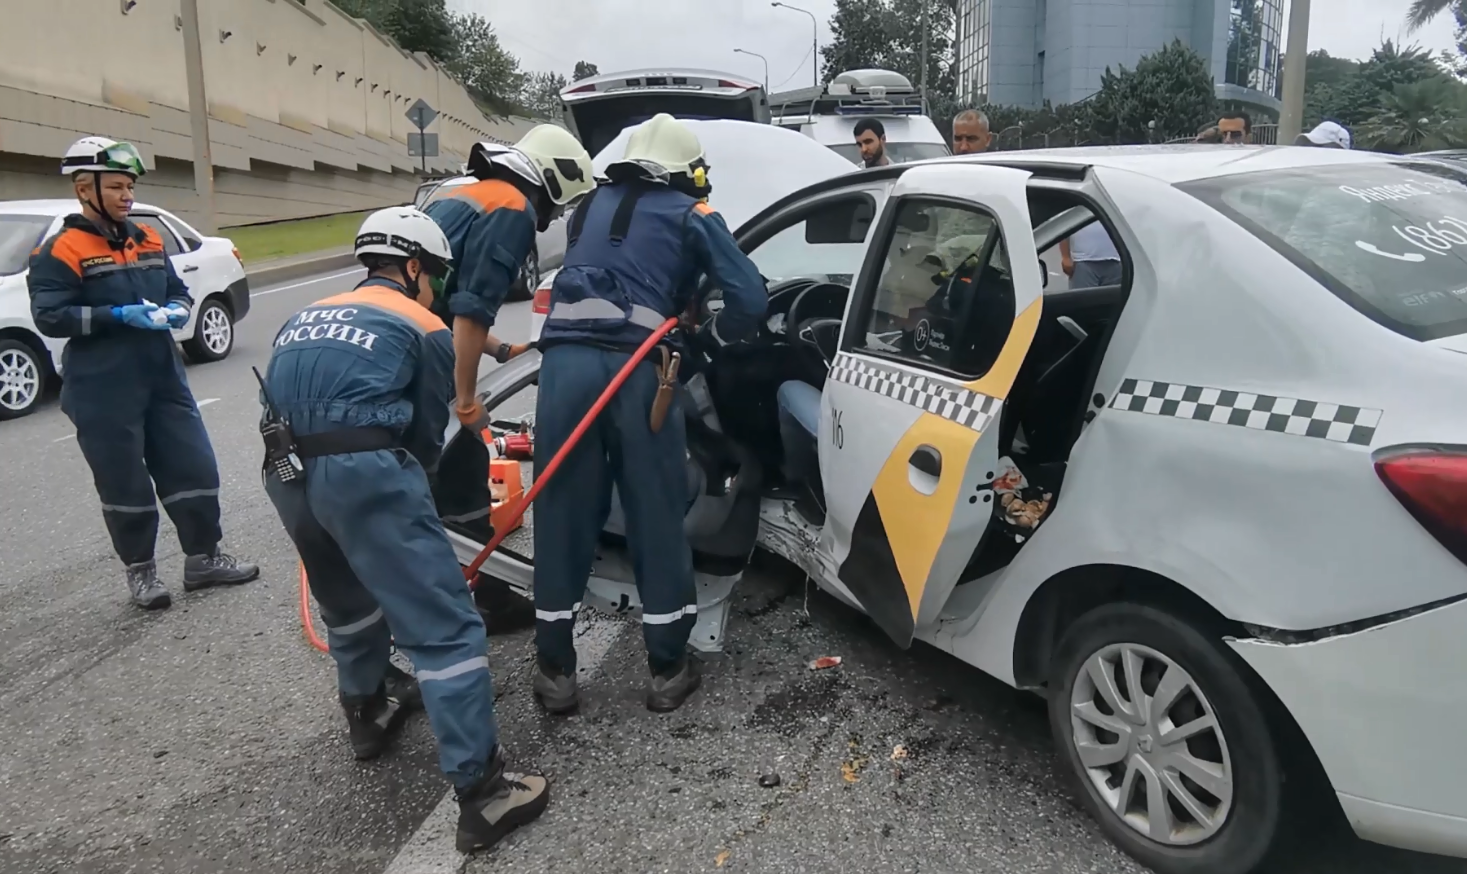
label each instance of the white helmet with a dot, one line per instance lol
(548, 156)
(664, 146)
(406, 232)
(101, 155)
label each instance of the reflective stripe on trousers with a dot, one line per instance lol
(596, 309)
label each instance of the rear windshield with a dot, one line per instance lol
(19, 235)
(900, 153)
(1388, 239)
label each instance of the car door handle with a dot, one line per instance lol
(927, 460)
(190, 269)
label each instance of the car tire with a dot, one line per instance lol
(23, 375)
(529, 278)
(213, 337)
(1239, 754)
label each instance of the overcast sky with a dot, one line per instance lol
(625, 34)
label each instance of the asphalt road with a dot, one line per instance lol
(208, 739)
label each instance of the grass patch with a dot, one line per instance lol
(284, 239)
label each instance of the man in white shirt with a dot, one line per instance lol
(1089, 257)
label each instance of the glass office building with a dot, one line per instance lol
(1024, 52)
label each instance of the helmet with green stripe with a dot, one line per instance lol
(102, 155)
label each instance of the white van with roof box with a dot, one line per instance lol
(829, 115)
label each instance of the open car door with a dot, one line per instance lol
(940, 320)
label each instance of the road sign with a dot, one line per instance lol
(421, 114)
(422, 145)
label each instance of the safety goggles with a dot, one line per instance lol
(118, 158)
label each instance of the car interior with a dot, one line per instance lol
(945, 298)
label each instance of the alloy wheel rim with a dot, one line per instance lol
(1150, 745)
(217, 331)
(20, 380)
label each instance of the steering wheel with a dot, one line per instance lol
(812, 331)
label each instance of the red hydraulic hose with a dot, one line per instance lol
(471, 572)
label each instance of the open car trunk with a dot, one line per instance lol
(599, 108)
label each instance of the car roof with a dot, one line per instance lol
(1182, 162)
(54, 207)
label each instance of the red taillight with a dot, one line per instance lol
(581, 90)
(724, 83)
(541, 305)
(1432, 485)
(238, 257)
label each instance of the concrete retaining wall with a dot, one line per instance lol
(307, 105)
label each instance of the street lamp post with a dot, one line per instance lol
(198, 110)
(1296, 55)
(762, 58)
(814, 41)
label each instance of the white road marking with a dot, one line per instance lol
(431, 849)
(62, 439)
(207, 401)
(318, 279)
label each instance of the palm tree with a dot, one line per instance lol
(1419, 117)
(1422, 12)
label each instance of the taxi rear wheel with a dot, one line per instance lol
(1169, 746)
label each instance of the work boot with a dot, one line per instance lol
(672, 688)
(147, 591)
(499, 803)
(219, 569)
(372, 721)
(555, 691)
(502, 609)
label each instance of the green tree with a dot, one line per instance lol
(483, 65)
(887, 35)
(1351, 93)
(423, 26)
(542, 94)
(1422, 12)
(416, 25)
(1419, 117)
(1172, 88)
(584, 70)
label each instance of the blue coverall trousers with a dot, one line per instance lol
(382, 569)
(139, 429)
(650, 473)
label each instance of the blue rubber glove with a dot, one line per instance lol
(177, 314)
(139, 315)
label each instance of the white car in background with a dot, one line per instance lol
(29, 361)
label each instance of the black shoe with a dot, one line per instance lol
(219, 569)
(499, 803)
(375, 720)
(671, 689)
(502, 609)
(555, 691)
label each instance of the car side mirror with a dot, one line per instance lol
(1043, 274)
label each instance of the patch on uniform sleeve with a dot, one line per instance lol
(704, 208)
(1339, 423)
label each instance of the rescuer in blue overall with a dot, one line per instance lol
(491, 226)
(637, 249)
(107, 285)
(362, 382)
